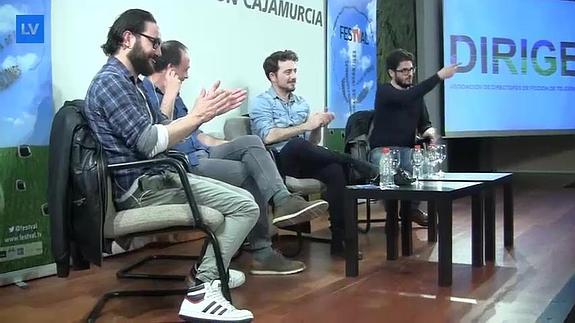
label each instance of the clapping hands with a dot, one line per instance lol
(217, 101)
(319, 119)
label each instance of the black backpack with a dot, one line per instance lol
(357, 141)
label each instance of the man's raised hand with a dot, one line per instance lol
(217, 101)
(173, 82)
(448, 71)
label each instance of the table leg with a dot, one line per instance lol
(508, 215)
(391, 229)
(406, 239)
(477, 230)
(490, 224)
(432, 222)
(445, 270)
(351, 243)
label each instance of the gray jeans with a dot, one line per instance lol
(246, 163)
(235, 204)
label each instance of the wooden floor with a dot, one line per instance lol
(516, 288)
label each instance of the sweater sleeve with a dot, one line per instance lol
(424, 123)
(389, 94)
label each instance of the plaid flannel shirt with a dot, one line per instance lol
(117, 112)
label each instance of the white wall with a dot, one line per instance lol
(227, 42)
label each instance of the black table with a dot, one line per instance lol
(442, 193)
(491, 182)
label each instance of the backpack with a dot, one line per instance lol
(356, 141)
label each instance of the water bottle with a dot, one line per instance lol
(417, 162)
(385, 169)
(425, 171)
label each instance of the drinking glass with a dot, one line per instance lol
(441, 156)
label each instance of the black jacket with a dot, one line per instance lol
(75, 232)
(357, 127)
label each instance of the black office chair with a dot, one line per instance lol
(83, 239)
(357, 130)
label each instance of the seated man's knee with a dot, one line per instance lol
(250, 141)
(334, 172)
(248, 206)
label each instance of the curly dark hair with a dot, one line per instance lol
(397, 56)
(271, 62)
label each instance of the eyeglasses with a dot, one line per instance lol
(156, 42)
(406, 70)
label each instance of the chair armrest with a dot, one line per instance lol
(181, 157)
(177, 165)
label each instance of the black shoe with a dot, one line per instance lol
(402, 178)
(337, 248)
(367, 169)
(419, 217)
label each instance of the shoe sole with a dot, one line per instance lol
(309, 213)
(276, 273)
(205, 320)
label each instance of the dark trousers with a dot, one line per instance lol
(301, 159)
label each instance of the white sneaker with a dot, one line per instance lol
(206, 302)
(237, 278)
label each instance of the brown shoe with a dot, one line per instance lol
(419, 217)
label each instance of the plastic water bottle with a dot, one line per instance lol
(417, 162)
(425, 170)
(385, 169)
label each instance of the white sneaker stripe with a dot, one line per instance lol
(216, 309)
(207, 308)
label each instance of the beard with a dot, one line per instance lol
(289, 87)
(140, 61)
(407, 83)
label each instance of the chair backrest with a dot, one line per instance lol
(358, 127)
(241, 126)
(237, 126)
(357, 131)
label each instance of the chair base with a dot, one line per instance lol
(368, 223)
(301, 236)
(368, 220)
(126, 272)
(97, 309)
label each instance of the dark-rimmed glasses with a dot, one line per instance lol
(156, 42)
(406, 70)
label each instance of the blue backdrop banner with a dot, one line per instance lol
(26, 114)
(352, 57)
